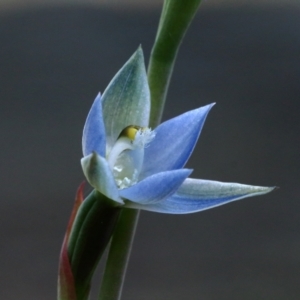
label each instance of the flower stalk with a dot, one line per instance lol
(118, 257)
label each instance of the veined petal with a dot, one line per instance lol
(126, 100)
(174, 142)
(99, 175)
(93, 138)
(156, 187)
(195, 195)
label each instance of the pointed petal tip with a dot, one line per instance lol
(260, 190)
(207, 107)
(97, 98)
(269, 189)
(138, 55)
(200, 112)
(204, 110)
(140, 50)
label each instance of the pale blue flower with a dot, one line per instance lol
(144, 169)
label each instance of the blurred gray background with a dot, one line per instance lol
(244, 56)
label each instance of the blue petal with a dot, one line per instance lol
(93, 138)
(174, 142)
(156, 187)
(99, 175)
(126, 100)
(196, 195)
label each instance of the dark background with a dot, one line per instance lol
(54, 61)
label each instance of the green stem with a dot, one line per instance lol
(175, 19)
(118, 256)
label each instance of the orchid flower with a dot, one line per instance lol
(141, 168)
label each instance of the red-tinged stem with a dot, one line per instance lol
(66, 286)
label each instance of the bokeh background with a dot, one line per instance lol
(245, 55)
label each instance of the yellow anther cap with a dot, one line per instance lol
(130, 132)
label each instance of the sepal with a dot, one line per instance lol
(197, 195)
(126, 100)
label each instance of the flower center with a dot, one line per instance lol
(126, 156)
